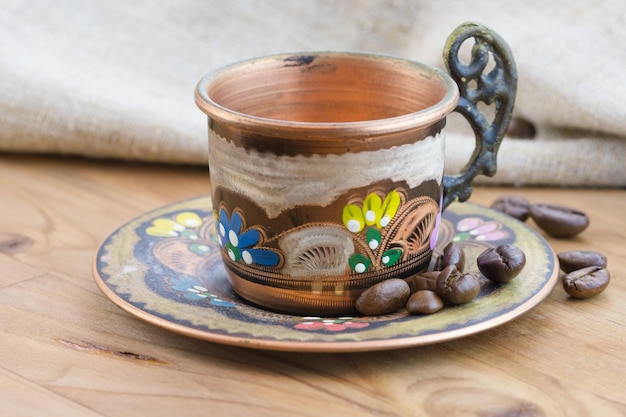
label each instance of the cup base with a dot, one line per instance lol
(315, 297)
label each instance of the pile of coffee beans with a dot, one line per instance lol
(585, 271)
(429, 292)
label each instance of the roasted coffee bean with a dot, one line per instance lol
(383, 298)
(501, 264)
(455, 287)
(521, 128)
(586, 282)
(559, 221)
(453, 254)
(574, 260)
(424, 302)
(423, 281)
(514, 206)
(438, 264)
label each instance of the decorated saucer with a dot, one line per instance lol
(164, 267)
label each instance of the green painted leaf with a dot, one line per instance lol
(461, 236)
(373, 238)
(199, 248)
(359, 263)
(391, 256)
(189, 234)
(233, 252)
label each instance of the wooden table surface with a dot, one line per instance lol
(67, 350)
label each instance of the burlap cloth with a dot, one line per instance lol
(115, 78)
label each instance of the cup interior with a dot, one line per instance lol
(328, 88)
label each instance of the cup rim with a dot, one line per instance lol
(408, 121)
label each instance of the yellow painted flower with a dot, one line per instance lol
(374, 212)
(353, 218)
(180, 226)
(189, 219)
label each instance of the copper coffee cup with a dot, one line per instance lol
(327, 168)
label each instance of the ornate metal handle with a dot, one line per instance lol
(498, 86)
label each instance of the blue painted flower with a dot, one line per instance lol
(241, 244)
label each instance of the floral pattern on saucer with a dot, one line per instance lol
(165, 266)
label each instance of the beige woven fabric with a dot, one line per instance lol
(115, 79)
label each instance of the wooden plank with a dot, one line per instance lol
(21, 398)
(65, 349)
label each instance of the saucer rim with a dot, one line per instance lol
(333, 346)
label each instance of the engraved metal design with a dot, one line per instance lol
(498, 86)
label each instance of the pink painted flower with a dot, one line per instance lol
(475, 228)
(330, 324)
